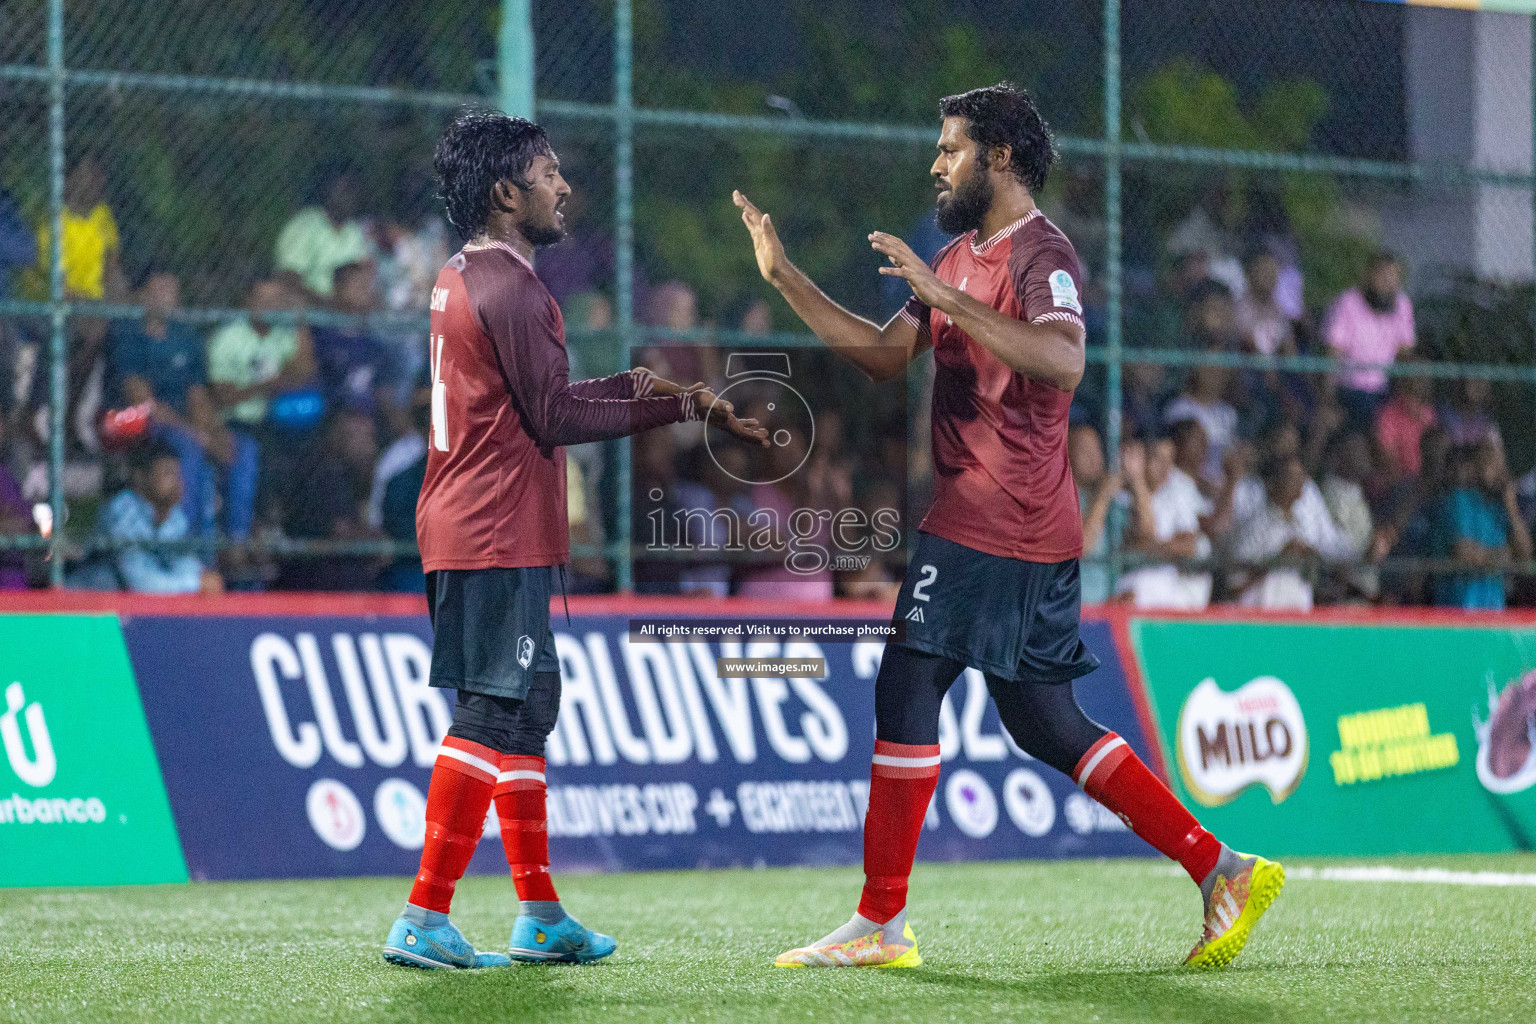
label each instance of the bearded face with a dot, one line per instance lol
(961, 207)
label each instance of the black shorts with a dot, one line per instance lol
(1011, 618)
(490, 629)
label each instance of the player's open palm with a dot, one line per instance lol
(721, 414)
(765, 239)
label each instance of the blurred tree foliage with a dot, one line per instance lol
(1185, 104)
(201, 181)
(825, 195)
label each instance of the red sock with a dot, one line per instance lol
(1112, 774)
(457, 798)
(901, 781)
(524, 828)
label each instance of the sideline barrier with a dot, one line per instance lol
(82, 802)
(1346, 733)
(296, 737)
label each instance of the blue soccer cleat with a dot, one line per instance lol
(568, 942)
(440, 948)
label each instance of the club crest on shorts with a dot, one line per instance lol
(525, 650)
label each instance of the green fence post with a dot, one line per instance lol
(57, 387)
(1112, 268)
(514, 53)
(624, 248)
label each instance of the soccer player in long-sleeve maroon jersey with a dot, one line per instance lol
(491, 523)
(993, 583)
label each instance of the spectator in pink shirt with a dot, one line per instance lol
(1402, 421)
(1367, 328)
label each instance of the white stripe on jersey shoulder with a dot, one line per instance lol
(498, 244)
(1004, 233)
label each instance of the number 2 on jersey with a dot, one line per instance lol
(439, 393)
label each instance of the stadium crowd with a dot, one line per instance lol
(1266, 488)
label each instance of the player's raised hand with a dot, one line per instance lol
(766, 246)
(907, 265)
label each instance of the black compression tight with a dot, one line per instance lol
(507, 725)
(1044, 719)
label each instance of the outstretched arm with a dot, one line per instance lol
(559, 412)
(637, 383)
(881, 352)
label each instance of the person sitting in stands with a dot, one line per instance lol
(149, 509)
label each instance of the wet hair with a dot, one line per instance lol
(1005, 115)
(477, 150)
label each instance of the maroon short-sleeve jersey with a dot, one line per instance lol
(502, 408)
(1002, 483)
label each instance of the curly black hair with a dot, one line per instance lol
(479, 149)
(1005, 115)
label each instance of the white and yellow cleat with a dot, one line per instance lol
(1237, 893)
(859, 943)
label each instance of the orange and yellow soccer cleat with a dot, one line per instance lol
(1240, 893)
(889, 945)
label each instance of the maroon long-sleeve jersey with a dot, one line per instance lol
(1002, 483)
(502, 408)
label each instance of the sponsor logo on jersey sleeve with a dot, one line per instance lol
(1064, 291)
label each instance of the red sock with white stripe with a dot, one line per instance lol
(1112, 774)
(457, 799)
(902, 777)
(520, 789)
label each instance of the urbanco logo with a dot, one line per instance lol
(1255, 735)
(38, 768)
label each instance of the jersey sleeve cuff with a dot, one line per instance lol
(1060, 316)
(690, 407)
(914, 321)
(644, 382)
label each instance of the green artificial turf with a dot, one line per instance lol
(1077, 941)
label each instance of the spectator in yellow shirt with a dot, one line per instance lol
(93, 271)
(91, 266)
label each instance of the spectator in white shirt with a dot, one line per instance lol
(1281, 441)
(1167, 507)
(1203, 399)
(1288, 527)
(1347, 467)
(1265, 327)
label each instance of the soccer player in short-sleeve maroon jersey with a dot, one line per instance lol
(993, 583)
(491, 522)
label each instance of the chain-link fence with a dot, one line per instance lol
(1206, 148)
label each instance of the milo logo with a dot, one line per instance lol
(1254, 735)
